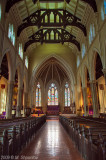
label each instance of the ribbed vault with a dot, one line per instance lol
(51, 70)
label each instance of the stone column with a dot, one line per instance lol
(31, 98)
(75, 98)
(94, 99)
(84, 91)
(25, 99)
(25, 102)
(19, 102)
(9, 100)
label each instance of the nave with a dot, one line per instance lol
(51, 142)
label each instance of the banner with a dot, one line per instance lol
(101, 86)
(3, 86)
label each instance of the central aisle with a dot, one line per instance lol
(51, 143)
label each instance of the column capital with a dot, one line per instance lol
(83, 88)
(20, 89)
(104, 70)
(92, 81)
(96, 14)
(10, 82)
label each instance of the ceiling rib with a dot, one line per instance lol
(47, 74)
(58, 74)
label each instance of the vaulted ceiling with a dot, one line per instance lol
(49, 27)
(36, 18)
(51, 70)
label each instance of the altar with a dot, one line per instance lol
(52, 110)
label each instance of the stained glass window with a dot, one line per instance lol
(49, 97)
(0, 12)
(3, 100)
(20, 51)
(26, 62)
(103, 10)
(78, 61)
(52, 95)
(104, 6)
(11, 33)
(67, 95)
(102, 13)
(91, 33)
(38, 95)
(83, 50)
(93, 30)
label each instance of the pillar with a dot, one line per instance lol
(19, 102)
(94, 99)
(31, 98)
(25, 102)
(84, 90)
(75, 98)
(25, 99)
(9, 100)
(104, 72)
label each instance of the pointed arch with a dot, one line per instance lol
(93, 63)
(61, 62)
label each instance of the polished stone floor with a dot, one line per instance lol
(51, 142)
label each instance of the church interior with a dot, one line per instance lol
(53, 79)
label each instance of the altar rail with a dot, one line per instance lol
(88, 136)
(14, 138)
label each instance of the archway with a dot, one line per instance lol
(80, 107)
(89, 106)
(100, 84)
(62, 63)
(81, 101)
(4, 75)
(51, 72)
(15, 94)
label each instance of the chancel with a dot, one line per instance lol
(53, 79)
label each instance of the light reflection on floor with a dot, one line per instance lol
(51, 143)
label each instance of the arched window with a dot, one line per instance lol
(26, 62)
(91, 33)
(67, 95)
(20, 51)
(78, 61)
(38, 95)
(93, 30)
(103, 10)
(0, 12)
(52, 95)
(83, 50)
(11, 33)
(102, 13)
(104, 6)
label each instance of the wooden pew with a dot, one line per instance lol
(14, 138)
(86, 135)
